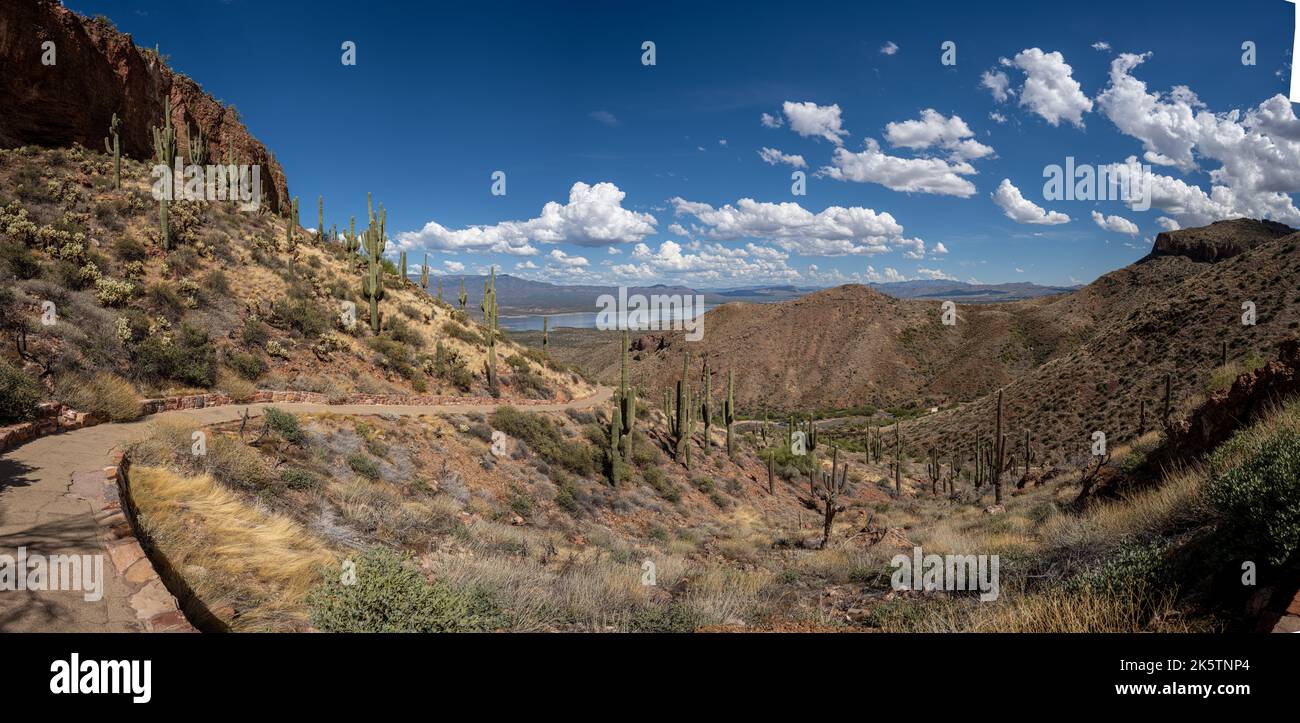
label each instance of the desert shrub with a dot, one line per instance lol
(566, 496)
(545, 439)
(301, 315)
(188, 358)
(654, 477)
(164, 298)
(254, 332)
(105, 395)
(525, 380)
(248, 365)
(677, 617)
(364, 465)
(284, 424)
(1258, 499)
(451, 367)
(130, 249)
(394, 356)
(1135, 567)
(235, 464)
(19, 394)
(391, 595)
(217, 283)
(465, 334)
(111, 292)
(299, 479)
(239, 389)
(401, 331)
(19, 260)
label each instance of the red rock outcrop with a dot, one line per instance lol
(1249, 397)
(100, 71)
(1219, 240)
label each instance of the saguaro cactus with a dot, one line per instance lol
(372, 285)
(1028, 455)
(463, 297)
(198, 146)
(625, 401)
(401, 267)
(729, 411)
(424, 274)
(293, 224)
(116, 149)
(320, 219)
(679, 424)
(489, 308)
(353, 243)
(998, 454)
(546, 336)
(164, 150)
(616, 468)
(933, 471)
(1168, 400)
(706, 409)
(825, 497)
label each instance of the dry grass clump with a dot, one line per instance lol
(105, 395)
(235, 556)
(1085, 611)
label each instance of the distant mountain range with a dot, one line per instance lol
(967, 293)
(518, 296)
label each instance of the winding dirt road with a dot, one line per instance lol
(51, 487)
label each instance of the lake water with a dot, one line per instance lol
(582, 319)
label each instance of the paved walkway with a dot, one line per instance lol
(52, 487)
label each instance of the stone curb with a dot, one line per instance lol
(154, 606)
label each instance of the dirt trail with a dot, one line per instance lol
(48, 493)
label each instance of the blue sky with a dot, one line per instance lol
(669, 156)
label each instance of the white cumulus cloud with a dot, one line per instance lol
(775, 157)
(1022, 210)
(1118, 224)
(815, 121)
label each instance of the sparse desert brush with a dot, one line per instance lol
(233, 555)
(390, 594)
(19, 394)
(105, 395)
(1088, 610)
(239, 388)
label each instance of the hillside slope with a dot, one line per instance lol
(233, 305)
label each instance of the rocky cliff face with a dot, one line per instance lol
(99, 71)
(1219, 240)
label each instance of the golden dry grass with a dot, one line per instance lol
(235, 556)
(105, 395)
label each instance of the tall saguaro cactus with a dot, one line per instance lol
(463, 298)
(164, 151)
(353, 243)
(320, 219)
(372, 284)
(116, 149)
(706, 409)
(293, 224)
(489, 308)
(729, 411)
(624, 402)
(424, 274)
(546, 335)
(680, 423)
(617, 467)
(998, 454)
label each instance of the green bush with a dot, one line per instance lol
(545, 439)
(391, 596)
(246, 364)
(284, 424)
(299, 479)
(188, 357)
(19, 394)
(457, 331)
(450, 367)
(364, 465)
(676, 618)
(1258, 499)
